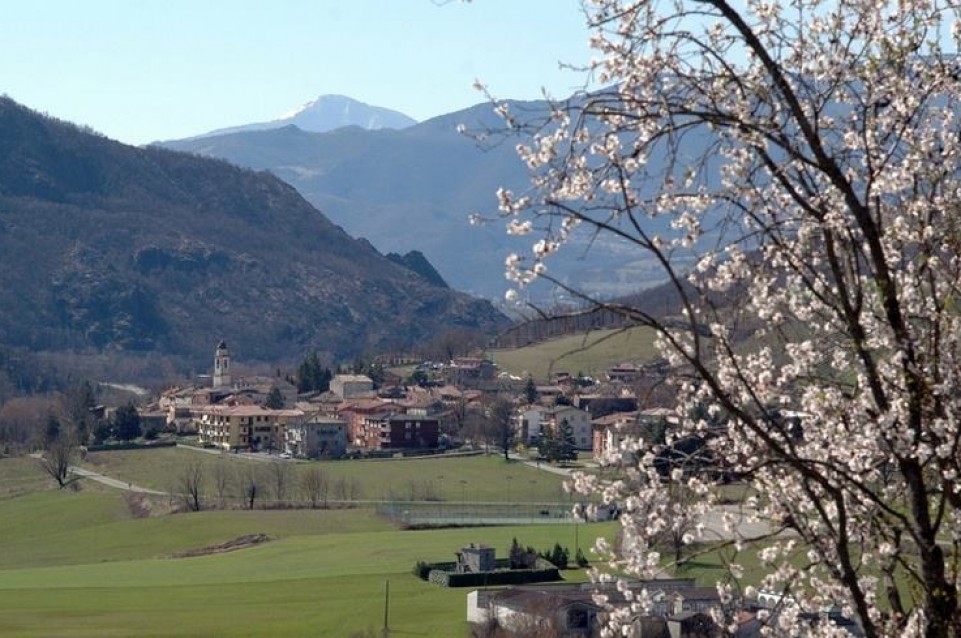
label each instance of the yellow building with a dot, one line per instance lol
(244, 426)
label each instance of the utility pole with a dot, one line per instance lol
(386, 631)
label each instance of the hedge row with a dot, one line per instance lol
(422, 570)
(485, 579)
(130, 445)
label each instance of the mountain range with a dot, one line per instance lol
(327, 113)
(414, 188)
(109, 247)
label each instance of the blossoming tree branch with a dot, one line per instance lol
(806, 156)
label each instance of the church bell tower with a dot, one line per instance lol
(221, 366)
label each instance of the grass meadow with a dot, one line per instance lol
(82, 563)
(482, 478)
(591, 353)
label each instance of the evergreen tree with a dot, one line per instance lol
(275, 400)
(567, 445)
(312, 376)
(548, 447)
(126, 422)
(377, 373)
(323, 380)
(530, 390)
(306, 373)
(516, 555)
(103, 431)
(559, 556)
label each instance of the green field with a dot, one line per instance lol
(81, 564)
(19, 476)
(473, 478)
(589, 354)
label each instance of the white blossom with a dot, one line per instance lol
(795, 167)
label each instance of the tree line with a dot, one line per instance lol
(250, 484)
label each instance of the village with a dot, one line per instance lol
(466, 400)
(460, 413)
(469, 404)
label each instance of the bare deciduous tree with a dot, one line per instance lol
(251, 481)
(221, 479)
(75, 405)
(22, 421)
(58, 458)
(191, 484)
(316, 486)
(475, 426)
(346, 489)
(459, 411)
(280, 477)
(499, 417)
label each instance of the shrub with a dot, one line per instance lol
(521, 558)
(559, 556)
(485, 579)
(422, 570)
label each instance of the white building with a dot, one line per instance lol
(317, 437)
(578, 420)
(350, 386)
(531, 422)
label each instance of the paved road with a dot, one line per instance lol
(545, 467)
(112, 482)
(105, 480)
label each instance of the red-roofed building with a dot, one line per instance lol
(353, 412)
(395, 431)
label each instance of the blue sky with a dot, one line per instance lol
(145, 70)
